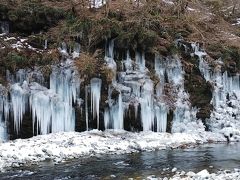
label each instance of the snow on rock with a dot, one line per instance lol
(204, 174)
(67, 145)
(226, 97)
(237, 22)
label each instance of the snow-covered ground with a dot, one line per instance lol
(68, 145)
(201, 175)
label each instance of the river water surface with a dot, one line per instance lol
(212, 157)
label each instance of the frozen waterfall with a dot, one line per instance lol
(52, 109)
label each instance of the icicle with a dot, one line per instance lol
(4, 113)
(21, 75)
(140, 61)
(117, 114)
(109, 54)
(203, 65)
(86, 106)
(45, 44)
(41, 111)
(160, 70)
(95, 98)
(49, 112)
(76, 50)
(26, 75)
(109, 59)
(66, 84)
(136, 110)
(161, 117)
(106, 118)
(174, 71)
(63, 49)
(113, 117)
(4, 27)
(146, 103)
(19, 98)
(3, 132)
(128, 62)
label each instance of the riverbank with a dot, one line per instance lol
(68, 145)
(204, 174)
(212, 161)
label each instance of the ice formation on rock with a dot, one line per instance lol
(26, 75)
(152, 101)
(97, 3)
(138, 89)
(4, 27)
(45, 44)
(128, 62)
(96, 85)
(140, 61)
(76, 50)
(161, 112)
(4, 113)
(203, 65)
(50, 113)
(19, 99)
(226, 96)
(65, 82)
(147, 107)
(114, 114)
(86, 106)
(52, 109)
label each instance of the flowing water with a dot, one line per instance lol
(212, 157)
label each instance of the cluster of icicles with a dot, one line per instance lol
(52, 108)
(136, 88)
(224, 85)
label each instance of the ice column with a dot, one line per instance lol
(45, 44)
(160, 71)
(203, 65)
(4, 113)
(140, 61)
(65, 83)
(4, 27)
(161, 112)
(109, 58)
(19, 98)
(109, 54)
(107, 123)
(42, 110)
(146, 102)
(86, 106)
(76, 50)
(113, 117)
(95, 98)
(128, 62)
(117, 113)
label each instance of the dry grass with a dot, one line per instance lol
(205, 22)
(88, 64)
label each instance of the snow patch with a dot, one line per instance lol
(67, 145)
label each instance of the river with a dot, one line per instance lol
(212, 157)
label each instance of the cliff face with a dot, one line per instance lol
(161, 66)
